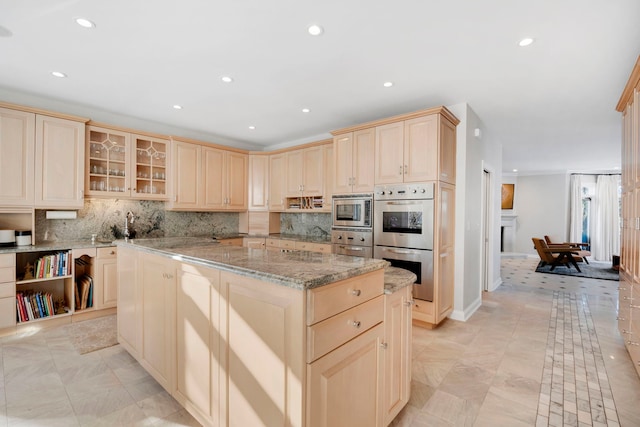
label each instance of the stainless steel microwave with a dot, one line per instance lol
(352, 210)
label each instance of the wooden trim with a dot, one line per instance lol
(44, 112)
(436, 110)
(128, 130)
(632, 83)
(208, 144)
(295, 147)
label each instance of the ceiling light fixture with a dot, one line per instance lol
(525, 42)
(226, 79)
(305, 110)
(515, 170)
(387, 84)
(252, 127)
(315, 30)
(83, 22)
(177, 107)
(58, 74)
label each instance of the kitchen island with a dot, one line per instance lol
(267, 338)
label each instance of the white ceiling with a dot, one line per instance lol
(551, 105)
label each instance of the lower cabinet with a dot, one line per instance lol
(129, 305)
(7, 290)
(105, 278)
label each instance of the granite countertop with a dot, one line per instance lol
(295, 269)
(57, 245)
(301, 238)
(397, 278)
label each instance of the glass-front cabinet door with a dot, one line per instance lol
(150, 167)
(107, 161)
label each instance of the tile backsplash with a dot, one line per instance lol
(106, 217)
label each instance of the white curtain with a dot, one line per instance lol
(606, 225)
(575, 209)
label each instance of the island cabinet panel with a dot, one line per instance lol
(129, 295)
(158, 286)
(344, 386)
(265, 367)
(200, 359)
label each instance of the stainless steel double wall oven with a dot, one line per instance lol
(403, 231)
(352, 225)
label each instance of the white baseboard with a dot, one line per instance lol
(464, 315)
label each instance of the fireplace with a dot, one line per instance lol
(508, 233)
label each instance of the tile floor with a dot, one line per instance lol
(496, 369)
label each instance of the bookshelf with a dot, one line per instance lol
(44, 285)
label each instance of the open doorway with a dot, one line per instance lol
(487, 227)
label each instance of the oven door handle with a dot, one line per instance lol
(405, 202)
(352, 248)
(401, 251)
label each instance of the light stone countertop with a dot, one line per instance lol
(397, 278)
(295, 269)
(58, 245)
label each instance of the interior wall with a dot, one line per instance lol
(542, 205)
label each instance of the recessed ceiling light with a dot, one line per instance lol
(525, 42)
(226, 79)
(387, 84)
(252, 127)
(58, 74)
(315, 30)
(305, 110)
(515, 170)
(177, 107)
(83, 22)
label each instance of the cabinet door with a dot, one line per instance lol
(312, 171)
(199, 338)
(363, 160)
(389, 153)
(294, 173)
(59, 174)
(342, 159)
(265, 338)
(447, 170)
(157, 277)
(129, 302)
(327, 151)
(150, 160)
(17, 145)
(7, 312)
(258, 182)
(213, 177)
(105, 279)
(357, 363)
(107, 162)
(277, 181)
(186, 186)
(236, 181)
(444, 259)
(421, 149)
(397, 354)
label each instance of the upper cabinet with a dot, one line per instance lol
(258, 182)
(59, 163)
(353, 157)
(205, 178)
(17, 147)
(125, 165)
(415, 150)
(277, 181)
(305, 172)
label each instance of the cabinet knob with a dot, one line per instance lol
(384, 345)
(356, 324)
(356, 292)
(112, 253)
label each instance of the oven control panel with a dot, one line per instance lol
(404, 191)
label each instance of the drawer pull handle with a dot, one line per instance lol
(624, 331)
(356, 292)
(633, 343)
(620, 318)
(634, 306)
(356, 323)
(627, 298)
(410, 303)
(384, 345)
(622, 289)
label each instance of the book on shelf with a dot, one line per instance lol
(84, 286)
(33, 305)
(54, 265)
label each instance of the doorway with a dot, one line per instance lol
(487, 228)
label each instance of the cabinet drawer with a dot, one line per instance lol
(110, 252)
(78, 252)
(7, 312)
(7, 290)
(313, 247)
(326, 301)
(7, 260)
(7, 274)
(273, 243)
(337, 330)
(287, 244)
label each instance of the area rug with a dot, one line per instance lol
(94, 334)
(594, 270)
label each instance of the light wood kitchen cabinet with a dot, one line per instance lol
(157, 278)
(205, 178)
(328, 177)
(324, 248)
(129, 302)
(258, 182)
(354, 162)
(234, 241)
(254, 242)
(7, 291)
(397, 356)
(200, 355)
(122, 164)
(105, 278)
(416, 150)
(17, 151)
(59, 163)
(305, 172)
(265, 366)
(277, 182)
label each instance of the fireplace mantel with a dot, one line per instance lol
(508, 225)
